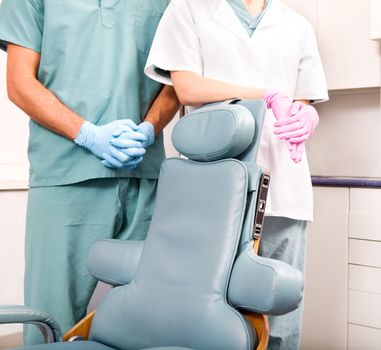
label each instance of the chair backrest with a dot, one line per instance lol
(178, 295)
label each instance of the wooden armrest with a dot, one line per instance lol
(81, 329)
(261, 325)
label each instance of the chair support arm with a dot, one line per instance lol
(23, 314)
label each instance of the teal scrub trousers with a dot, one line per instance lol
(63, 222)
(286, 240)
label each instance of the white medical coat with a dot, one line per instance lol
(207, 38)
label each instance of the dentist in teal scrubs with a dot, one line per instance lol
(76, 68)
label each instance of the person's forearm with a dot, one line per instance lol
(45, 108)
(33, 98)
(306, 102)
(163, 109)
(195, 90)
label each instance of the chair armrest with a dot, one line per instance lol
(264, 286)
(114, 261)
(23, 314)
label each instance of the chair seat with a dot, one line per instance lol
(87, 345)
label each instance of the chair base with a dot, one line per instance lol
(260, 324)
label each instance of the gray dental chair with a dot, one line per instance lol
(188, 284)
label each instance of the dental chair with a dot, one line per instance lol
(189, 283)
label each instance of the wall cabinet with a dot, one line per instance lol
(343, 278)
(351, 59)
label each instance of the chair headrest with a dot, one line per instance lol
(214, 132)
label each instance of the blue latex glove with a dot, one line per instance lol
(97, 138)
(126, 149)
(122, 140)
(147, 129)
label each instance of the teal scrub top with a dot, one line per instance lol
(249, 22)
(93, 54)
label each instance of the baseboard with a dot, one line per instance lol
(10, 341)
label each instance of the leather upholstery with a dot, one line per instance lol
(264, 286)
(113, 261)
(214, 132)
(178, 295)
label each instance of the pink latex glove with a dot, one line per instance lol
(283, 109)
(279, 103)
(298, 127)
(296, 149)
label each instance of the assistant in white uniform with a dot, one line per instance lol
(207, 38)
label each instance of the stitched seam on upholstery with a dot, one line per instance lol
(107, 280)
(238, 238)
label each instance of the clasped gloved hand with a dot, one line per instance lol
(127, 149)
(97, 140)
(296, 122)
(280, 104)
(283, 108)
(122, 139)
(298, 128)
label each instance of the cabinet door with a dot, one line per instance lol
(364, 279)
(351, 59)
(365, 214)
(364, 309)
(363, 338)
(365, 253)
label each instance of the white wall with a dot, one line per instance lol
(12, 223)
(13, 138)
(13, 175)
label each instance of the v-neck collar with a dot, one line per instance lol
(224, 14)
(248, 21)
